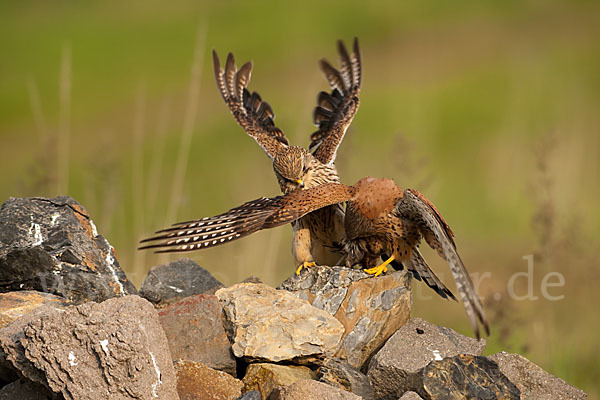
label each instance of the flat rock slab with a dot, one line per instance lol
(14, 305)
(168, 283)
(264, 377)
(265, 324)
(311, 390)
(533, 381)
(196, 381)
(370, 308)
(411, 348)
(115, 349)
(52, 246)
(338, 373)
(194, 330)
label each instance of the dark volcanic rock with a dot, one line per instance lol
(466, 377)
(533, 381)
(115, 349)
(195, 332)
(311, 390)
(51, 245)
(338, 373)
(370, 308)
(411, 348)
(168, 283)
(196, 381)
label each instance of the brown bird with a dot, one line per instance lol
(381, 218)
(316, 234)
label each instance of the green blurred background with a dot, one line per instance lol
(491, 108)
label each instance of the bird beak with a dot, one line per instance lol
(300, 183)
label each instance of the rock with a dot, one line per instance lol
(14, 305)
(196, 381)
(533, 381)
(311, 390)
(340, 374)
(410, 396)
(94, 351)
(24, 390)
(466, 377)
(168, 283)
(195, 332)
(52, 246)
(251, 395)
(274, 325)
(370, 308)
(264, 377)
(411, 348)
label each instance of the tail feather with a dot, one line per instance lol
(418, 266)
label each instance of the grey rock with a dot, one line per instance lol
(51, 245)
(195, 332)
(251, 395)
(24, 390)
(533, 381)
(370, 308)
(311, 390)
(338, 373)
(168, 283)
(274, 325)
(411, 348)
(94, 351)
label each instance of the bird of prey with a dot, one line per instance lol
(316, 234)
(381, 218)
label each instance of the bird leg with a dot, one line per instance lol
(305, 264)
(380, 268)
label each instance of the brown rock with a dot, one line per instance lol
(340, 374)
(24, 390)
(194, 329)
(411, 348)
(311, 390)
(265, 377)
(533, 381)
(196, 381)
(410, 396)
(370, 308)
(274, 325)
(14, 305)
(94, 351)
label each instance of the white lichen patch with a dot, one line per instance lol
(72, 359)
(54, 218)
(175, 288)
(104, 345)
(110, 261)
(94, 229)
(158, 380)
(436, 355)
(35, 233)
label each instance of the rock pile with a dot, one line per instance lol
(73, 327)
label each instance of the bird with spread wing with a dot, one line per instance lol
(316, 234)
(381, 219)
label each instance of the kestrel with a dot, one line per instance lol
(381, 218)
(316, 234)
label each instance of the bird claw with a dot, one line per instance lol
(305, 264)
(376, 271)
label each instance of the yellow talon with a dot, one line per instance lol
(378, 270)
(305, 264)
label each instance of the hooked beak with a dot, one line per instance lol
(300, 183)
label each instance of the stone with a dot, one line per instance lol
(195, 332)
(196, 381)
(264, 377)
(370, 308)
(24, 390)
(14, 305)
(52, 246)
(311, 390)
(410, 396)
(466, 377)
(265, 324)
(251, 395)
(171, 282)
(411, 348)
(533, 381)
(336, 372)
(114, 349)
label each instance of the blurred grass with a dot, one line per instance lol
(458, 98)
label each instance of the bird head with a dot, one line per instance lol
(291, 166)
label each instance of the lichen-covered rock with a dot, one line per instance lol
(466, 377)
(14, 305)
(167, 283)
(533, 381)
(274, 325)
(339, 373)
(115, 349)
(370, 308)
(196, 381)
(411, 348)
(311, 390)
(52, 246)
(194, 329)
(264, 377)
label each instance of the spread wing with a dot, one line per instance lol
(414, 207)
(253, 114)
(335, 111)
(250, 217)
